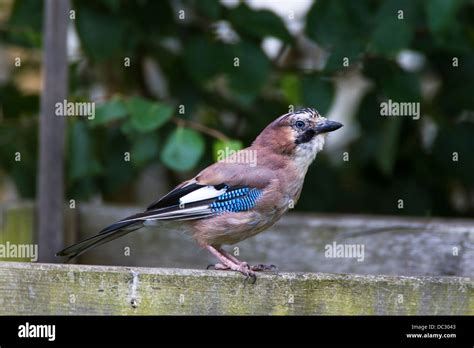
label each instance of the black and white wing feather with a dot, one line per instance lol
(186, 202)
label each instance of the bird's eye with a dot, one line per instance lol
(300, 124)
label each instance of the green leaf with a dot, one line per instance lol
(245, 65)
(101, 34)
(24, 176)
(402, 87)
(340, 26)
(113, 5)
(221, 149)
(291, 88)
(82, 161)
(391, 33)
(442, 14)
(144, 149)
(452, 151)
(448, 23)
(337, 56)
(26, 13)
(455, 94)
(392, 82)
(127, 129)
(200, 59)
(183, 149)
(112, 110)
(22, 141)
(15, 103)
(118, 172)
(386, 154)
(209, 8)
(250, 75)
(317, 93)
(149, 21)
(25, 23)
(147, 116)
(259, 23)
(391, 37)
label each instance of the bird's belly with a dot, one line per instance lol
(231, 228)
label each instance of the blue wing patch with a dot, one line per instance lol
(199, 202)
(236, 200)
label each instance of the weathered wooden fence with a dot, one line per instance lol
(409, 266)
(392, 246)
(29, 288)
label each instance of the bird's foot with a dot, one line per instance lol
(245, 270)
(264, 268)
(242, 268)
(231, 263)
(218, 267)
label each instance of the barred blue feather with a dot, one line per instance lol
(240, 199)
(189, 202)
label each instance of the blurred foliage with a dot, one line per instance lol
(213, 90)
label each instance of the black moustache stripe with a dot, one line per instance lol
(305, 137)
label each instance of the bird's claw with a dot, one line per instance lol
(247, 271)
(242, 268)
(263, 268)
(252, 276)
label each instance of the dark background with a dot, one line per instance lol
(190, 62)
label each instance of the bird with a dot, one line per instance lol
(235, 198)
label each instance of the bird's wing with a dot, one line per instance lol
(217, 189)
(176, 193)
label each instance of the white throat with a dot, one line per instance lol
(306, 153)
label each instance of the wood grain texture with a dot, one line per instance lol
(408, 246)
(52, 130)
(29, 288)
(399, 246)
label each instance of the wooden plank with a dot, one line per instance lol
(392, 245)
(52, 129)
(29, 288)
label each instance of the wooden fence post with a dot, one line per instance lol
(50, 192)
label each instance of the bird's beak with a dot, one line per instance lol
(327, 126)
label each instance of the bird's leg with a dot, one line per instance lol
(257, 268)
(220, 266)
(224, 261)
(232, 257)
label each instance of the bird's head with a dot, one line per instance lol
(300, 135)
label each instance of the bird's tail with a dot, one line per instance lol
(109, 233)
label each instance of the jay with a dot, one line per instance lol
(232, 200)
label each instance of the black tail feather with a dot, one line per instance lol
(109, 233)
